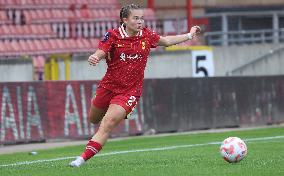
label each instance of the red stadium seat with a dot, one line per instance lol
(24, 47)
(94, 42)
(8, 47)
(60, 44)
(79, 43)
(57, 15)
(47, 14)
(28, 17)
(15, 46)
(25, 2)
(46, 28)
(45, 22)
(51, 2)
(58, 4)
(2, 48)
(83, 2)
(34, 29)
(69, 45)
(101, 13)
(4, 18)
(34, 15)
(31, 45)
(94, 14)
(66, 43)
(19, 30)
(26, 31)
(52, 44)
(5, 29)
(114, 14)
(73, 1)
(46, 46)
(149, 14)
(85, 13)
(38, 46)
(12, 30)
(10, 2)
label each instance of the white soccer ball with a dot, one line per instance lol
(233, 149)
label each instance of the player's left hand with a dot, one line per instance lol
(195, 30)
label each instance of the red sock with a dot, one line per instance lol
(92, 148)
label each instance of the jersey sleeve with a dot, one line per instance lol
(154, 38)
(107, 41)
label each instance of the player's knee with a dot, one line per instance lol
(94, 120)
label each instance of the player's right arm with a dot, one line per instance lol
(104, 47)
(95, 58)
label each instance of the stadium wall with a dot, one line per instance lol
(171, 64)
(39, 111)
(229, 58)
(178, 64)
(15, 70)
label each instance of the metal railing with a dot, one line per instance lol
(273, 32)
(244, 37)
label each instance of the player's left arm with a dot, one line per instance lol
(172, 40)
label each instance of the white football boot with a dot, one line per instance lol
(77, 162)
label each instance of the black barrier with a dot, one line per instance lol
(201, 103)
(36, 111)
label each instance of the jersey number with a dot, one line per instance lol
(131, 100)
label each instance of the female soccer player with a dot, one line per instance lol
(126, 50)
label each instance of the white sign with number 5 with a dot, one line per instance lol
(202, 63)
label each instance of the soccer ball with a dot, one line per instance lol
(233, 149)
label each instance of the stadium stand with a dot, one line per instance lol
(4, 19)
(46, 46)
(57, 15)
(58, 4)
(26, 32)
(32, 27)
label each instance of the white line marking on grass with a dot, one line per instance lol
(37, 161)
(136, 151)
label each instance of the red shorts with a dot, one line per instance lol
(105, 97)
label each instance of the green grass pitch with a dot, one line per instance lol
(177, 154)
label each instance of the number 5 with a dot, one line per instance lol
(202, 63)
(199, 68)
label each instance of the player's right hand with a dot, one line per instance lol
(93, 60)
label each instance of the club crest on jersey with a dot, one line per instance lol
(143, 45)
(106, 37)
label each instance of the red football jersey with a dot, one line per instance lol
(127, 59)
